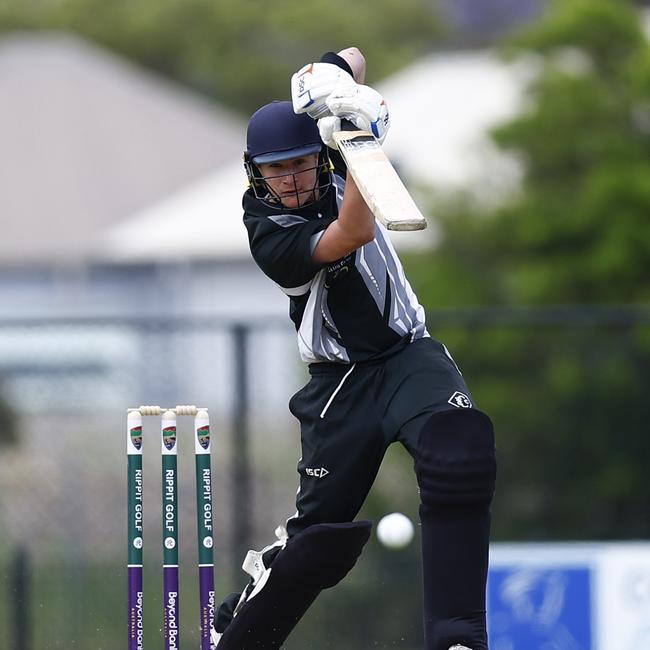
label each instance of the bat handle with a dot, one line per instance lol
(346, 125)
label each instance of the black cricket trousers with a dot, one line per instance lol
(349, 414)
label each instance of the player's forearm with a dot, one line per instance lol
(357, 62)
(354, 227)
(355, 216)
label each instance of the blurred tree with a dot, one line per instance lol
(242, 53)
(569, 402)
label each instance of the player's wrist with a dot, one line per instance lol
(355, 59)
(337, 60)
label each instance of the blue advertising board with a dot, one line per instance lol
(540, 608)
(569, 596)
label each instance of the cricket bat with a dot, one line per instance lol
(377, 180)
(373, 173)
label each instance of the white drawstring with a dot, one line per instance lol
(338, 388)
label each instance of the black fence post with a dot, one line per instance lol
(20, 600)
(240, 490)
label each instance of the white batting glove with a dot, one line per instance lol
(312, 85)
(327, 127)
(363, 106)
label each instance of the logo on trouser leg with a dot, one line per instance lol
(317, 472)
(460, 400)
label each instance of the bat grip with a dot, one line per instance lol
(346, 125)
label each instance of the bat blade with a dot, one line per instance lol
(378, 181)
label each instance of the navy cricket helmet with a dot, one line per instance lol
(276, 133)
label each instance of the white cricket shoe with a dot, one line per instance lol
(459, 647)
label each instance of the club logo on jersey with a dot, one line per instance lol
(203, 434)
(316, 472)
(169, 437)
(460, 400)
(333, 274)
(136, 437)
(338, 269)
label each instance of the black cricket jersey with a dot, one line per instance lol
(357, 308)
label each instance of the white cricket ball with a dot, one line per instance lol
(395, 530)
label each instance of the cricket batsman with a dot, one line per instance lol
(376, 377)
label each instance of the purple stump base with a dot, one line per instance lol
(136, 627)
(206, 591)
(171, 608)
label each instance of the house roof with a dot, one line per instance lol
(89, 140)
(107, 161)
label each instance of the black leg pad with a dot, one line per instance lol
(456, 463)
(315, 559)
(456, 471)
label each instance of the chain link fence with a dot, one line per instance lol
(65, 388)
(66, 384)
